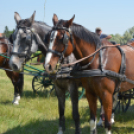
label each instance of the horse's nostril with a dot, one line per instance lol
(15, 67)
(50, 68)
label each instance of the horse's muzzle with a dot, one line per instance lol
(52, 70)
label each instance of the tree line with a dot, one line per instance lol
(7, 32)
(123, 39)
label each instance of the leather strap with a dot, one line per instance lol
(92, 54)
(55, 52)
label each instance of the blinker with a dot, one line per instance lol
(65, 39)
(28, 39)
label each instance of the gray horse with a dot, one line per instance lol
(27, 39)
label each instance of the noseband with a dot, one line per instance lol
(28, 41)
(65, 41)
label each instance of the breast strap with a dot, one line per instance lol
(121, 74)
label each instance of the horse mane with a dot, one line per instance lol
(26, 22)
(86, 35)
(82, 33)
(42, 23)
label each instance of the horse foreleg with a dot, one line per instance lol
(75, 113)
(18, 81)
(107, 100)
(92, 100)
(61, 106)
(18, 88)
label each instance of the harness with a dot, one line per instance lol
(66, 39)
(120, 77)
(28, 41)
(29, 37)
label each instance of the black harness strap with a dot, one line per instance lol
(66, 38)
(55, 52)
(123, 61)
(113, 74)
(122, 69)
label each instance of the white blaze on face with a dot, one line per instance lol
(14, 58)
(16, 44)
(49, 54)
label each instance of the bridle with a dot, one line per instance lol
(66, 38)
(28, 40)
(65, 42)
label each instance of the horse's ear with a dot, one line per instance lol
(69, 22)
(55, 19)
(32, 17)
(17, 17)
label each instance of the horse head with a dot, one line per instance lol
(61, 43)
(27, 39)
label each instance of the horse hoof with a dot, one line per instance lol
(108, 131)
(60, 131)
(100, 123)
(93, 132)
(112, 118)
(16, 100)
(15, 103)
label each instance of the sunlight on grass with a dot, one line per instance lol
(38, 114)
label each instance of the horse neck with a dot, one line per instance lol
(41, 30)
(84, 49)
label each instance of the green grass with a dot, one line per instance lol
(37, 114)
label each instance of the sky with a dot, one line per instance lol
(113, 16)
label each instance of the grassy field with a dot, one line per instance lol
(37, 114)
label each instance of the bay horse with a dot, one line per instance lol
(16, 78)
(68, 37)
(28, 38)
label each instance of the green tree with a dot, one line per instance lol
(7, 32)
(128, 34)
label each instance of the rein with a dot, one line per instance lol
(92, 54)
